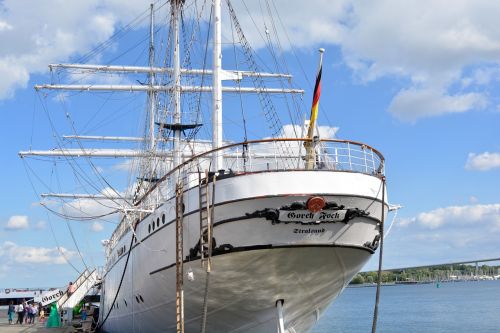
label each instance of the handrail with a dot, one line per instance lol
(210, 152)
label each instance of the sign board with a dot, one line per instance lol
(51, 296)
(306, 216)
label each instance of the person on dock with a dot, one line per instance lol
(54, 318)
(27, 314)
(20, 313)
(33, 310)
(11, 311)
(41, 318)
(84, 313)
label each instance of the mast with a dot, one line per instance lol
(217, 87)
(177, 82)
(151, 92)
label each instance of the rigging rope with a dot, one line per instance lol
(267, 105)
(265, 101)
(245, 138)
(294, 52)
(204, 67)
(50, 221)
(71, 230)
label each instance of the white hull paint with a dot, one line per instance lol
(305, 265)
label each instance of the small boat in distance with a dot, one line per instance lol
(217, 235)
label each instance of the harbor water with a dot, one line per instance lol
(450, 307)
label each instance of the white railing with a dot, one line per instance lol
(273, 155)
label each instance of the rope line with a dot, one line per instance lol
(380, 256)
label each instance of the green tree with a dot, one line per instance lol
(358, 279)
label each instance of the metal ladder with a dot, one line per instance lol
(206, 206)
(206, 218)
(179, 264)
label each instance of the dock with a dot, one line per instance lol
(27, 328)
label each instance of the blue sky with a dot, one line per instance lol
(417, 80)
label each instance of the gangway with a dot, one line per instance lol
(84, 283)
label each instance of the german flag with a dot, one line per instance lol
(317, 93)
(310, 154)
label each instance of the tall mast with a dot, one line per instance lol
(177, 82)
(151, 92)
(217, 87)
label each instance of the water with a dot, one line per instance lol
(453, 307)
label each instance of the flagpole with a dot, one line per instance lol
(310, 153)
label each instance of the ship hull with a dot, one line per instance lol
(258, 259)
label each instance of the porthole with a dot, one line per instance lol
(163, 219)
(125, 301)
(149, 228)
(142, 299)
(137, 299)
(158, 222)
(154, 225)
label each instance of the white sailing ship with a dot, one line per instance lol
(218, 236)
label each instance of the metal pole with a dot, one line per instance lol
(281, 322)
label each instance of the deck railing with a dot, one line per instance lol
(274, 155)
(260, 156)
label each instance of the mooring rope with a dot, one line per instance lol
(205, 304)
(100, 324)
(380, 256)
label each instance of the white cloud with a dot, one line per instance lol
(96, 227)
(17, 222)
(412, 104)
(487, 217)
(486, 75)
(295, 131)
(127, 165)
(5, 26)
(12, 253)
(287, 16)
(4, 270)
(94, 208)
(421, 38)
(429, 44)
(40, 225)
(483, 162)
(37, 35)
(405, 221)
(446, 234)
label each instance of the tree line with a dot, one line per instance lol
(441, 273)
